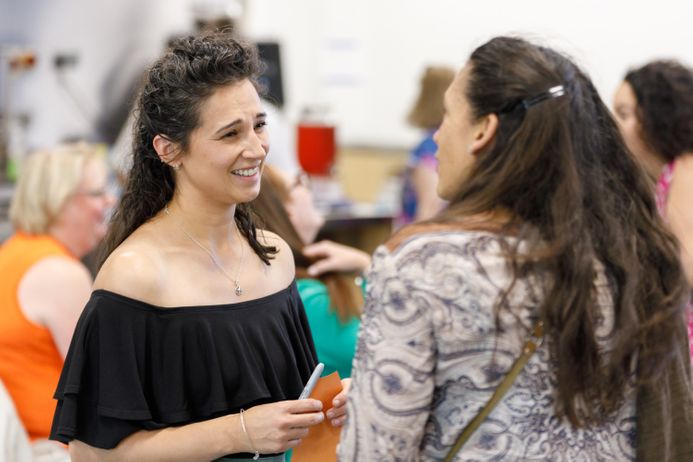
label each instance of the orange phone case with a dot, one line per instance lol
(321, 443)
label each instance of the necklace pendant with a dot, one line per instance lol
(239, 291)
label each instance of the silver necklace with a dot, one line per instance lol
(237, 289)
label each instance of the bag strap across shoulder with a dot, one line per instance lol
(533, 342)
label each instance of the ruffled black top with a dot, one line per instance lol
(134, 366)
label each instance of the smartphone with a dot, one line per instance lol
(312, 381)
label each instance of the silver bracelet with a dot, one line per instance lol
(250, 440)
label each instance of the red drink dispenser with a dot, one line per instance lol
(316, 147)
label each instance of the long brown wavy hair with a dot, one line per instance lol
(169, 104)
(575, 196)
(346, 298)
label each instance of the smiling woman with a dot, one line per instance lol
(225, 151)
(195, 344)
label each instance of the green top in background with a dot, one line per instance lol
(335, 342)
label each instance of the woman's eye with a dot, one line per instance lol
(230, 134)
(260, 125)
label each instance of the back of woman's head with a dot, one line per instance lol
(664, 94)
(49, 179)
(547, 146)
(427, 112)
(559, 166)
(169, 105)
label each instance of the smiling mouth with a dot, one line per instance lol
(246, 171)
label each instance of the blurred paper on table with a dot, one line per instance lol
(321, 443)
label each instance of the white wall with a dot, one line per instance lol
(114, 41)
(363, 58)
(379, 47)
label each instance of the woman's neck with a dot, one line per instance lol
(209, 224)
(498, 217)
(654, 165)
(67, 238)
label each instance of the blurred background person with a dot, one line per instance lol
(58, 213)
(331, 294)
(654, 108)
(549, 283)
(14, 442)
(420, 200)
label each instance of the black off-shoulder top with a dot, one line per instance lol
(134, 366)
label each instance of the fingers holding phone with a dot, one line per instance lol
(276, 427)
(280, 426)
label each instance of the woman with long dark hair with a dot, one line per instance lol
(522, 322)
(654, 109)
(195, 344)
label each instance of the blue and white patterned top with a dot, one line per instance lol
(429, 357)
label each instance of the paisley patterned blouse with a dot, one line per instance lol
(429, 357)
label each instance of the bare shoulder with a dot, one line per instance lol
(681, 187)
(52, 279)
(135, 269)
(59, 270)
(683, 173)
(268, 238)
(55, 287)
(283, 262)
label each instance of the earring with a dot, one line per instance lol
(176, 167)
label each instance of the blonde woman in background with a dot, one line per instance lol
(58, 214)
(420, 200)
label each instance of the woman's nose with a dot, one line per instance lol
(257, 147)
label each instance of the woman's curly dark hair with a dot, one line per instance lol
(664, 93)
(169, 104)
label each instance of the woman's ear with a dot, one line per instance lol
(485, 133)
(167, 151)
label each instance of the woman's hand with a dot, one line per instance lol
(337, 414)
(335, 257)
(276, 427)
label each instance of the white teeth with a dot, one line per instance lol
(246, 172)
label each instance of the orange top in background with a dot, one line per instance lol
(30, 363)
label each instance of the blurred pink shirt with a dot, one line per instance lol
(662, 195)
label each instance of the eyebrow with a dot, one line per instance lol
(259, 115)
